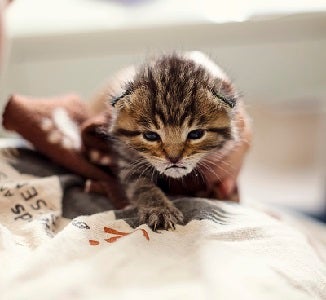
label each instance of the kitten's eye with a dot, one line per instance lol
(195, 134)
(151, 136)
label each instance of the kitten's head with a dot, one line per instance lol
(176, 110)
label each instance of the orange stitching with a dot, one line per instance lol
(119, 234)
(94, 243)
(113, 231)
(145, 233)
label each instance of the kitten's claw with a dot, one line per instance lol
(165, 217)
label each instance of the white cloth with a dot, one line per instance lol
(251, 256)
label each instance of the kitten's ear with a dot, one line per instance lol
(230, 101)
(225, 91)
(114, 100)
(123, 95)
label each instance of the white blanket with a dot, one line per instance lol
(235, 252)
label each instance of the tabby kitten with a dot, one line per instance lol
(174, 112)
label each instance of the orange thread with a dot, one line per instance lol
(113, 231)
(94, 243)
(112, 239)
(145, 234)
(118, 234)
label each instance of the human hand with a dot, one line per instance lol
(221, 178)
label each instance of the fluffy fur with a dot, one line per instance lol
(174, 112)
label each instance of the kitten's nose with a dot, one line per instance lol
(173, 159)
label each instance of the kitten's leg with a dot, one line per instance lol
(154, 208)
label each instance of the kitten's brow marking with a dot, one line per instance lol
(224, 131)
(126, 132)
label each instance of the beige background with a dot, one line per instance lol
(274, 53)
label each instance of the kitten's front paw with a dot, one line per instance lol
(164, 217)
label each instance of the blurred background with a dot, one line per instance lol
(275, 52)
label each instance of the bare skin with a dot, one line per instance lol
(223, 183)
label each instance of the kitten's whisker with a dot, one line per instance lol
(226, 164)
(214, 165)
(208, 168)
(135, 167)
(218, 165)
(148, 167)
(227, 172)
(218, 161)
(138, 162)
(229, 167)
(217, 158)
(153, 173)
(197, 171)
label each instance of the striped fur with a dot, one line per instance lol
(168, 99)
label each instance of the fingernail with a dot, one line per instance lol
(105, 160)
(94, 155)
(55, 137)
(46, 124)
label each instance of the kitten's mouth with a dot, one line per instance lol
(176, 171)
(175, 167)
